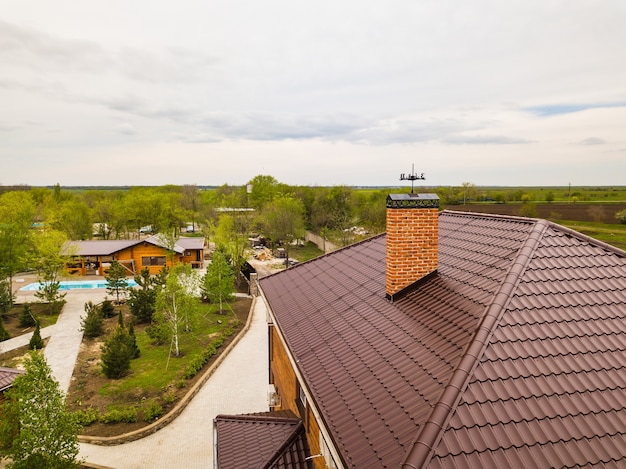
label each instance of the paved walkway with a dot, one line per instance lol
(239, 385)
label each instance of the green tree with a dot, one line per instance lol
(177, 304)
(117, 284)
(50, 260)
(92, 324)
(6, 297)
(37, 430)
(4, 334)
(528, 209)
(117, 354)
(263, 189)
(218, 282)
(27, 318)
(621, 216)
(142, 300)
(17, 212)
(72, 217)
(36, 342)
(284, 221)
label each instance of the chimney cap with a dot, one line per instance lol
(412, 201)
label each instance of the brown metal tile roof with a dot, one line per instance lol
(101, 247)
(271, 440)
(521, 316)
(7, 376)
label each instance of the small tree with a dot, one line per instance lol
(116, 280)
(49, 262)
(176, 305)
(142, 301)
(92, 325)
(107, 309)
(621, 216)
(36, 342)
(218, 282)
(4, 334)
(7, 297)
(27, 318)
(116, 354)
(36, 429)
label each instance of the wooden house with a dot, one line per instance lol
(453, 340)
(93, 257)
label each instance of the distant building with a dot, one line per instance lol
(93, 257)
(453, 340)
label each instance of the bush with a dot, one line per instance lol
(86, 417)
(621, 216)
(6, 297)
(152, 412)
(128, 415)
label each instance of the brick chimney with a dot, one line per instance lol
(412, 240)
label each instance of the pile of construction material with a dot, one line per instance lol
(262, 253)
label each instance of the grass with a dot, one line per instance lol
(155, 369)
(612, 234)
(305, 252)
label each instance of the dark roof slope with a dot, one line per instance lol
(265, 440)
(550, 388)
(374, 365)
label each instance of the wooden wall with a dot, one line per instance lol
(284, 379)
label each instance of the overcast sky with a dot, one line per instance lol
(204, 92)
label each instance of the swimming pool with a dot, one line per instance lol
(76, 285)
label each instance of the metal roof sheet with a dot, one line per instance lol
(7, 376)
(272, 440)
(554, 334)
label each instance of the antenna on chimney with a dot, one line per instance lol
(412, 177)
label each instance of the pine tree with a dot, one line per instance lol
(117, 353)
(92, 325)
(142, 301)
(36, 429)
(4, 334)
(116, 280)
(36, 342)
(107, 309)
(27, 318)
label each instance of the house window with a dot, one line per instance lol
(153, 260)
(188, 253)
(301, 402)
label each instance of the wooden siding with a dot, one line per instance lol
(284, 379)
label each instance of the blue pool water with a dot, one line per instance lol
(76, 285)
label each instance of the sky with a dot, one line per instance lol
(514, 93)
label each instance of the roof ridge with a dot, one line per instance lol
(432, 431)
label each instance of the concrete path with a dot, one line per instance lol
(239, 385)
(64, 344)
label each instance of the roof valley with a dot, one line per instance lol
(433, 429)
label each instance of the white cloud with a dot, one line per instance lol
(350, 90)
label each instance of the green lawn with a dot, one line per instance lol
(305, 252)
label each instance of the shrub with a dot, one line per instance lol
(127, 415)
(86, 417)
(152, 412)
(169, 397)
(621, 216)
